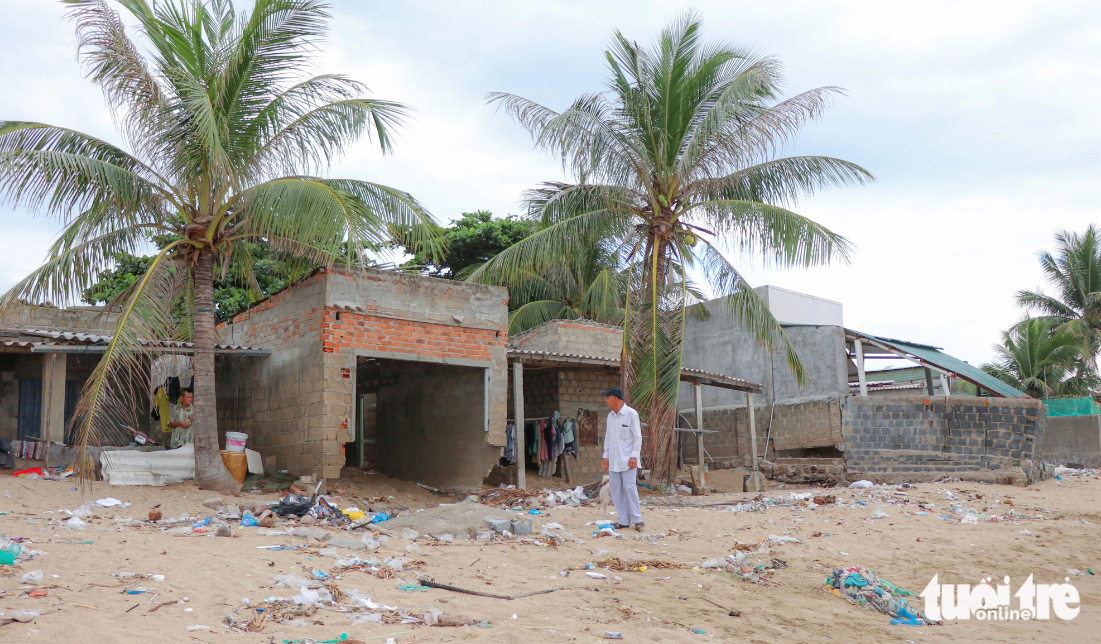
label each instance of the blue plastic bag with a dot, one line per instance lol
(248, 520)
(380, 517)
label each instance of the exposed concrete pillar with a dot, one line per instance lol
(945, 385)
(861, 376)
(753, 441)
(699, 435)
(518, 419)
(53, 397)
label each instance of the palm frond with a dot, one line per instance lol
(781, 237)
(748, 308)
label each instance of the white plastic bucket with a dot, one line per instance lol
(235, 441)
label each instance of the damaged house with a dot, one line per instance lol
(841, 426)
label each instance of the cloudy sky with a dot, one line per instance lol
(978, 119)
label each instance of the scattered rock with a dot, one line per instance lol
(213, 503)
(233, 509)
(155, 515)
(499, 525)
(223, 530)
(320, 535)
(521, 527)
(348, 544)
(309, 519)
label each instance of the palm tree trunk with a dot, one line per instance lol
(210, 471)
(653, 333)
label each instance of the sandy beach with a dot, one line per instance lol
(85, 580)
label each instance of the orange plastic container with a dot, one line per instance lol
(236, 463)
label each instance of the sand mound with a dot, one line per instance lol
(450, 518)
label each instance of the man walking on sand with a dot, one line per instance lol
(622, 446)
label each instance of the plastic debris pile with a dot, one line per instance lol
(865, 588)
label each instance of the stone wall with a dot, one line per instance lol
(300, 399)
(923, 438)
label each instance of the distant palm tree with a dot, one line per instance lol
(225, 132)
(1075, 273)
(676, 159)
(1037, 358)
(586, 287)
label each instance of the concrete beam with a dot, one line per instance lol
(518, 420)
(53, 397)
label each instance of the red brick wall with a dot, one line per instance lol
(359, 331)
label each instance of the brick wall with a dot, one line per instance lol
(923, 438)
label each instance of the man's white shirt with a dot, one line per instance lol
(622, 438)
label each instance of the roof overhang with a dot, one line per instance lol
(568, 360)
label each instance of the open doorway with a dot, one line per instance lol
(422, 422)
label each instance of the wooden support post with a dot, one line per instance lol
(703, 486)
(928, 381)
(861, 375)
(518, 418)
(753, 441)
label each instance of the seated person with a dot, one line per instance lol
(181, 416)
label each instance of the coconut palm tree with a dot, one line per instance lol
(226, 133)
(1075, 273)
(589, 286)
(1042, 361)
(677, 160)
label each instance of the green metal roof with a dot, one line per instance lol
(944, 361)
(904, 374)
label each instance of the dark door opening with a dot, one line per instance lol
(30, 408)
(422, 421)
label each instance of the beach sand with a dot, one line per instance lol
(215, 574)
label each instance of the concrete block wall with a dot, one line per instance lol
(1073, 439)
(77, 319)
(579, 337)
(301, 397)
(285, 392)
(579, 389)
(731, 446)
(806, 425)
(566, 391)
(923, 438)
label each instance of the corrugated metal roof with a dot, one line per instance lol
(888, 386)
(936, 358)
(93, 339)
(687, 373)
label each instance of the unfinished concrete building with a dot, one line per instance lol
(830, 428)
(370, 368)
